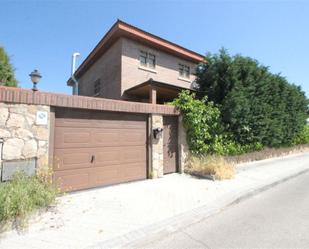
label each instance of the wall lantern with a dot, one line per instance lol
(157, 132)
(35, 78)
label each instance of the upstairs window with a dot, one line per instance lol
(147, 59)
(97, 87)
(143, 58)
(151, 60)
(184, 71)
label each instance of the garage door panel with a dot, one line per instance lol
(134, 137)
(118, 173)
(81, 123)
(72, 159)
(119, 137)
(134, 170)
(97, 148)
(77, 118)
(106, 137)
(117, 155)
(82, 138)
(73, 179)
(107, 175)
(72, 137)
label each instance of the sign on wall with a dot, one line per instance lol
(41, 118)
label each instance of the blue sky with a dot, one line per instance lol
(44, 34)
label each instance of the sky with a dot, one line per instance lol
(43, 34)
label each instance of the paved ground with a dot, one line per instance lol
(122, 213)
(277, 218)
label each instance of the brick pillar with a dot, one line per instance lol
(157, 147)
(183, 148)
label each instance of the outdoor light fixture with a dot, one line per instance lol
(157, 132)
(35, 78)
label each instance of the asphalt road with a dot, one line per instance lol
(276, 218)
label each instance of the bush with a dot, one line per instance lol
(205, 134)
(303, 136)
(23, 195)
(256, 105)
(201, 119)
(215, 166)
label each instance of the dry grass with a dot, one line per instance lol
(266, 153)
(215, 166)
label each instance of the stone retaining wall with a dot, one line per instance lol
(21, 136)
(157, 147)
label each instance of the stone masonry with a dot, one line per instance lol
(22, 138)
(157, 147)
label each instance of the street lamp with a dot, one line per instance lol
(35, 78)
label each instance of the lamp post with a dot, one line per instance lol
(35, 78)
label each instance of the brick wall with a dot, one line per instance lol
(22, 96)
(108, 70)
(166, 69)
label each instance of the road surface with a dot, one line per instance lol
(276, 218)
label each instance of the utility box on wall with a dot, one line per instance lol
(9, 168)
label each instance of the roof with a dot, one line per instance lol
(164, 90)
(122, 29)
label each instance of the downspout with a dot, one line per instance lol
(75, 85)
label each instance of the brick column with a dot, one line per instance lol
(156, 147)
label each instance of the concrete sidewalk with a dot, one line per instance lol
(119, 215)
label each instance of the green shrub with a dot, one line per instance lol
(303, 136)
(205, 134)
(256, 105)
(23, 195)
(201, 119)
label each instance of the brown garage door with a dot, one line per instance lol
(98, 148)
(170, 144)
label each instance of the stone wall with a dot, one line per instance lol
(21, 134)
(157, 147)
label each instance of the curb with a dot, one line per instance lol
(170, 225)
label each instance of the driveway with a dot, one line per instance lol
(89, 218)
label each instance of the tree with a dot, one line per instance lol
(256, 106)
(7, 77)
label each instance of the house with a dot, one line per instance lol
(119, 137)
(134, 65)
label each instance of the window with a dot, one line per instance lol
(143, 58)
(151, 60)
(147, 59)
(184, 71)
(97, 87)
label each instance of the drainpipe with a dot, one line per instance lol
(75, 85)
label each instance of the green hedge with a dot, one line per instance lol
(256, 106)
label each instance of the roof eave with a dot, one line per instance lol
(120, 29)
